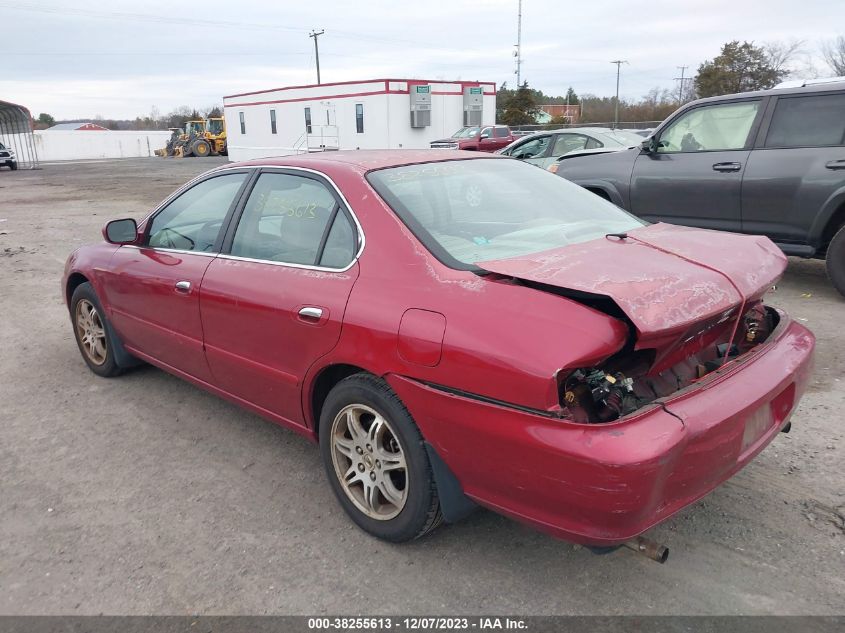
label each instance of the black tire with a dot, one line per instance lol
(201, 148)
(13, 166)
(108, 367)
(421, 511)
(835, 261)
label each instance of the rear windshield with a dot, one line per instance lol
(472, 210)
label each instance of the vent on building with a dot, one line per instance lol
(420, 105)
(473, 105)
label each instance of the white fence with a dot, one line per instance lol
(80, 144)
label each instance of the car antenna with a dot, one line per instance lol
(619, 236)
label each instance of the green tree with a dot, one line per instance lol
(521, 107)
(738, 68)
(46, 119)
(572, 98)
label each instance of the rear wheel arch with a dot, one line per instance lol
(322, 384)
(835, 222)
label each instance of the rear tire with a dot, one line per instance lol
(92, 332)
(376, 460)
(835, 261)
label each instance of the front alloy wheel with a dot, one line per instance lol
(91, 332)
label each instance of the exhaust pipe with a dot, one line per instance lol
(647, 547)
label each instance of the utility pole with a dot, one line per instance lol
(315, 35)
(618, 63)
(681, 79)
(518, 53)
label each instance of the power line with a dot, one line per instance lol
(681, 80)
(618, 63)
(519, 45)
(315, 35)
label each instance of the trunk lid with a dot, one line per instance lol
(669, 297)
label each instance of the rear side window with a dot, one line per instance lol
(501, 132)
(290, 219)
(192, 221)
(812, 121)
(710, 128)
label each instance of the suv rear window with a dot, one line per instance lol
(816, 120)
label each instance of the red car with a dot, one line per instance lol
(545, 355)
(477, 138)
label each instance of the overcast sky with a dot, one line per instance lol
(119, 59)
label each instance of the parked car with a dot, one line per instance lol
(769, 163)
(479, 138)
(7, 157)
(548, 355)
(544, 148)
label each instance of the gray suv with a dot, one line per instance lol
(769, 162)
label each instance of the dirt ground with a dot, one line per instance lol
(143, 494)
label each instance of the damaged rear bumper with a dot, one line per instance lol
(603, 484)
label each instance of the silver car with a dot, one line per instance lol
(544, 148)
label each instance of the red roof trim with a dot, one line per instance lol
(364, 81)
(339, 96)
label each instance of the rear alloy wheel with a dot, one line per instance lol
(835, 261)
(91, 331)
(376, 460)
(201, 149)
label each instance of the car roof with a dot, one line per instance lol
(810, 88)
(363, 161)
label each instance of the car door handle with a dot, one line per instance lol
(311, 313)
(835, 164)
(183, 286)
(727, 167)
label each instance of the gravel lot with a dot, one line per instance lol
(143, 494)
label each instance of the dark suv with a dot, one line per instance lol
(769, 162)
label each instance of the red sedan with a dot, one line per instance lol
(544, 354)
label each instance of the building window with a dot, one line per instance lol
(243, 123)
(359, 118)
(272, 121)
(308, 120)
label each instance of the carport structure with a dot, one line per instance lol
(16, 133)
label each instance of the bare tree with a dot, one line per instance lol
(782, 54)
(833, 52)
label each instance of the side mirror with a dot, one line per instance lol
(121, 231)
(648, 145)
(485, 135)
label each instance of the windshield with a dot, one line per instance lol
(466, 132)
(472, 210)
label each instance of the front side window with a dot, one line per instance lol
(468, 211)
(531, 149)
(308, 120)
(272, 121)
(359, 118)
(814, 121)
(486, 132)
(286, 219)
(243, 122)
(192, 222)
(710, 128)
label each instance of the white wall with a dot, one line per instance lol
(387, 121)
(76, 144)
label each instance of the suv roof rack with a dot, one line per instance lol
(802, 83)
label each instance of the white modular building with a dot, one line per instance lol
(369, 114)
